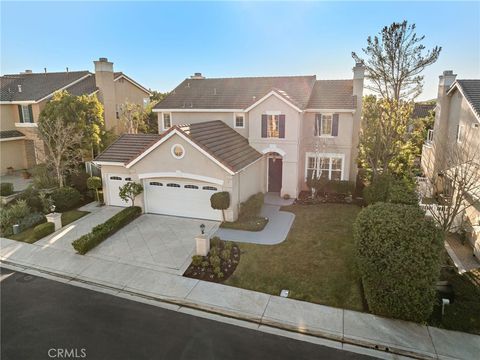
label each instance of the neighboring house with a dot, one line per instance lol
(456, 128)
(23, 96)
(241, 135)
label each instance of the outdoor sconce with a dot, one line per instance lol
(202, 228)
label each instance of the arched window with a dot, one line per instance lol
(173, 185)
(211, 188)
(191, 187)
(115, 178)
(156, 183)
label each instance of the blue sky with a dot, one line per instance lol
(160, 43)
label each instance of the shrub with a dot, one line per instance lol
(43, 178)
(32, 197)
(43, 230)
(95, 183)
(6, 189)
(215, 242)
(220, 275)
(197, 260)
(205, 264)
(108, 228)
(31, 220)
(216, 270)
(130, 191)
(228, 245)
(398, 253)
(377, 191)
(386, 188)
(215, 261)
(225, 254)
(339, 187)
(220, 201)
(78, 180)
(65, 198)
(252, 206)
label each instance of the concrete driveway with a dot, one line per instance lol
(155, 241)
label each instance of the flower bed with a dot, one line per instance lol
(218, 265)
(305, 198)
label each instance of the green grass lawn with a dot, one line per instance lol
(315, 262)
(67, 217)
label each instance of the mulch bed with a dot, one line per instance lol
(227, 267)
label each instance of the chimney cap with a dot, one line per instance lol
(103, 59)
(28, 71)
(359, 64)
(448, 72)
(197, 75)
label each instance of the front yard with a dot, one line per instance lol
(315, 262)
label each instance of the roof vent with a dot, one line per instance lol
(188, 85)
(19, 88)
(197, 76)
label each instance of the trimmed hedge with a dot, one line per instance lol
(386, 188)
(65, 198)
(108, 228)
(398, 253)
(6, 189)
(43, 230)
(251, 207)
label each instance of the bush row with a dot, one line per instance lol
(6, 189)
(386, 188)
(103, 231)
(43, 230)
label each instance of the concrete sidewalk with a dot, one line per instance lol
(264, 312)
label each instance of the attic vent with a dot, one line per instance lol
(19, 88)
(214, 91)
(188, 85)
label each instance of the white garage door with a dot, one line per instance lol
(181, 197)
(114, 182)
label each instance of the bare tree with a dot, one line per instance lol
(394, 61)
(133, 118)
(456, 183)
(64, 145)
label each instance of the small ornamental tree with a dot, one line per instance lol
(220, 201)
(398, 253)
(130, 191)
(94, 183)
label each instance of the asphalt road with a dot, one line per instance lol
(44, 319)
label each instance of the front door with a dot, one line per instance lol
(274, 174)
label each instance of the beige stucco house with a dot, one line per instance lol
(279, 130)
(23, 96)
(456, 135)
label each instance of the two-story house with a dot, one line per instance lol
(23, 96)
(454, 144)
(241, 135)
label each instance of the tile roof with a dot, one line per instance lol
(127, 147)
(422, 110)
(332, 94)
(6, 134)
(223, 143)
(35, 86)
(235, 93)
(471, 89)
(215, 137)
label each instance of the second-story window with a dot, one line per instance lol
(326, 125)
(239, 121)
(25, 113)
(273, 124)
(460, 131)
(167, 121)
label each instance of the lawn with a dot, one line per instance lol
(315, 262)
(255, 223)
(67, 218)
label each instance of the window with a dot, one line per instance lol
(460, 131)
(26, 114)
(273, 126)
(115, 178)
(239, 121)
(128, 179)
(323, 125)
(209, 188)
(327, 166)
(146, 101)
(156, 183)
(178, 151)
(173, 185)
(191, 187)
(167, 121)
(118, 110)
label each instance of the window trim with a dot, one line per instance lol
(235, 115)
(277, 116)
(320, 125)
(172, 150)
(163, 120)
(22, 120)
(460, 131)
(325, 155)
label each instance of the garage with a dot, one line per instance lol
(181, 197)
(114, 182)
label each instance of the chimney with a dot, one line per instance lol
(446, 80)
(358, 78)
(26, 72)
(106, 90)
(197, 76)
(357, 92)
(359, 71)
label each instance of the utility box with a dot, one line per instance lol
(203, 245)
(56, 219)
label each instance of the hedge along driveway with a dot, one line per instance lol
(63, 238)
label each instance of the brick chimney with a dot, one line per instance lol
(357, 92)
(106, 94)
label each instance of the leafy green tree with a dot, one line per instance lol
(220, 201)
(132, 118)
(130, 191)
(95, 183)
(394, 61)
(151, 120)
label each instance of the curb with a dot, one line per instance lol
(363, 343)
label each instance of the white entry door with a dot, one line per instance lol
(114, 183)
(181, 197)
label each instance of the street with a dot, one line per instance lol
(45, 319)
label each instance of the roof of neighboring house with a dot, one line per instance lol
(240, 93)
(471, 89)
(7, 134)
(36, 86)
(127, 147)
(215, 137)
(422, 110)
